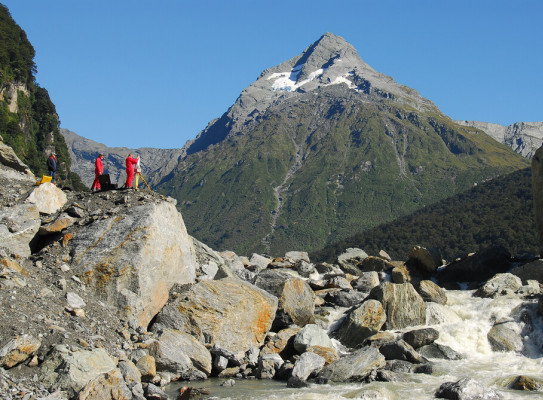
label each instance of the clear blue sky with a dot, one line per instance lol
(153, 73)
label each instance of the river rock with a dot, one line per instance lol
(401, 350)
(308, 364)
(466, 389)
(361, 323)
(525, 383)
(425, 260)
(499, 284)
(282, 343)
(18, 226)
(477, 267)
(268, 365)
(48, 198)
(108, 386)
(329, 354)
(530, 271)
(421, 337)
(348, 261)
(71, 371)
(440, 351)
(504, 337)
(431, 292)
(18, 350)
(296, 299)
(229, 313)
(180, 355)
(311, 335)
(401, 274)
(380, 393)
(345, 298)
(259, 263)
(374, 264)
(132, 260)
(403, 305)
(147, 367)
(366, 281)
(353, 368)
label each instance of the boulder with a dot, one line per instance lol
(403, 305)
(440, 351)
(311, 335)
(330, 355)
(374, 264)
(268, 365)
(18, 350)
(282, 343)
(60, 223)
(503, 336)
(18, 226)
(361, 323)
(349, 260)
(108, 386)
(366, 281)
(345, 298)
(400, 350)
(306, 365)
(71, 371)
(229, 313)
(477, 267)
(297, 256)
(10, 159)
(259, 262)
(48, 198)
(296, 299)
(525, 383)
(530, 271)
(131, 374)
(421, 337)
(133, 259)
(425, 260)
(431, 292)
(180, 355)
(355, 367)
(146, 365)
(401, 274)
(499, 284)
(466, 389)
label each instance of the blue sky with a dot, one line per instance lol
(153, 73)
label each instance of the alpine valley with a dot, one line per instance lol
(318, 148)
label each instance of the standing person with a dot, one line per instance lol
(130, 161)
(137, 169)
(52, 166)
(98, 170)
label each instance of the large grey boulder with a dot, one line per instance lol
(180, 355)
(311, 335)
(18, 349)
(48, 198)
(499, 284)
(366, 281)
(362, 322)
(353, 368)
(421, 337)
(439, 351)
(10, 160)
(503, 336)
(431, 292)
(107, 386)
(71, 371)
(229, 313)
(296, 298)
(18, 226)
(403, 305)
(466, 389)
(400, 350)
(133, 259)
(349, 260)
(309, 363)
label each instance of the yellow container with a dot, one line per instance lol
(44, 178)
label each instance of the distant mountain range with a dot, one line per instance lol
(316, 149)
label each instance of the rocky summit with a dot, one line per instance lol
(104, 295)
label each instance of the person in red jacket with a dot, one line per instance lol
(98, 170)
(130, 162)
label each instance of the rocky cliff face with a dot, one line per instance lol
(156, 163)
(523, 137)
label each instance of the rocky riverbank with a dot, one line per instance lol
(105, 296)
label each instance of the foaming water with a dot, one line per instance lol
(463, 325)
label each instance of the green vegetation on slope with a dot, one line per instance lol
(498, 212)
(32, 128)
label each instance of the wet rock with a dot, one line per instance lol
(18, 350)
(440, 351)
(108, 386)
(296, 299)
(48, 198)
(525, 383)
(353, 368)
(400, 350)
(153, 392)
(180, 355)
(403, 305)
(18, 226)
(311, 335)
(348, 261)
(466, 389)
(431, 292)
(380, 393)
(268, 365)
(421, 337)
(401, 366)
(132, 260)
(229, 313)
(499, 284)
(361, 323)
(503, 336)
(308, 364)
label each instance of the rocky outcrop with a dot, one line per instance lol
(18, 227)
(216, 312)
(133, 259)
(354, 367)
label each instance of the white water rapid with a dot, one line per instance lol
(463, 325)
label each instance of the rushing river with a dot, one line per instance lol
(463, 325)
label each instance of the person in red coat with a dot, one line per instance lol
(130, 162)
(98, 170)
